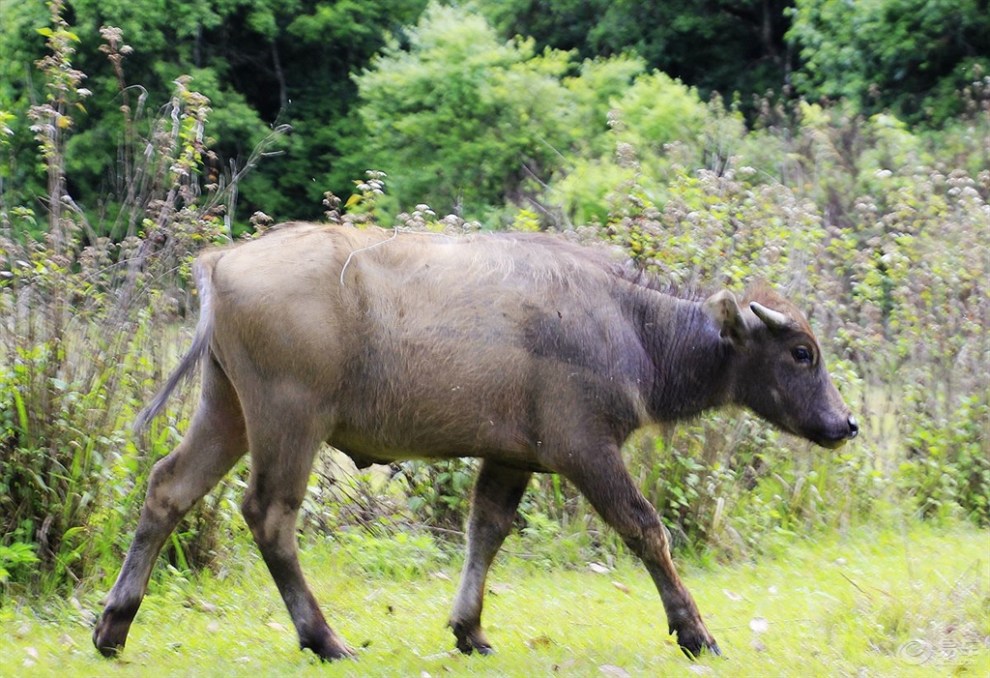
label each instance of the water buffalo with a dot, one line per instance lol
(528, 351)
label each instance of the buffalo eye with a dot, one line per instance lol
(802, 355)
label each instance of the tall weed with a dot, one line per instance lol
(89, 325)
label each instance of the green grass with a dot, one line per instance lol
(887, 603)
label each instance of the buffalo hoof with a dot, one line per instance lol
(473, 640)
(111, 630)
(694, 643)
(696, 651)
(335, 653)
(108, 641)
(106, 648)
(328, 647)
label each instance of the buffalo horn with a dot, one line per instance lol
(775, 320)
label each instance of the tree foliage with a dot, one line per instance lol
(908, 56)
(260, 63)
(263, 63)
(445, 117)
(447, 123)
(723, 46)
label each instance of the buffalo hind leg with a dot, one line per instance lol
(497, 493)
(215, 440)
(281, 459)
(619, 502)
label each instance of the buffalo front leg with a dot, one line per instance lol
(497, 493)
(616, 498)
(215, 440)
(279, 470)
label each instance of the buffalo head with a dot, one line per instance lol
(778, 369)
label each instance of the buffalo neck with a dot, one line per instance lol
(690, 361)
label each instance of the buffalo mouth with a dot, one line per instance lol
(836, 439)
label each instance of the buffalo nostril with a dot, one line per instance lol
(853, 427)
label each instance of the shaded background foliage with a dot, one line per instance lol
(261, 63)
(860, 191)
(264, 63)
(717, 46)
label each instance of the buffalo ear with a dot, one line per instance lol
(724, 310)
(775, 320)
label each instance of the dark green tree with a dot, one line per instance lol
(260, 62)
(21, 174)
(722, 45)
(908, 56)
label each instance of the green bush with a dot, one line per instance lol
(947, 469)
(439, 493)
(459, 84)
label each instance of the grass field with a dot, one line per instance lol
(869, 603)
